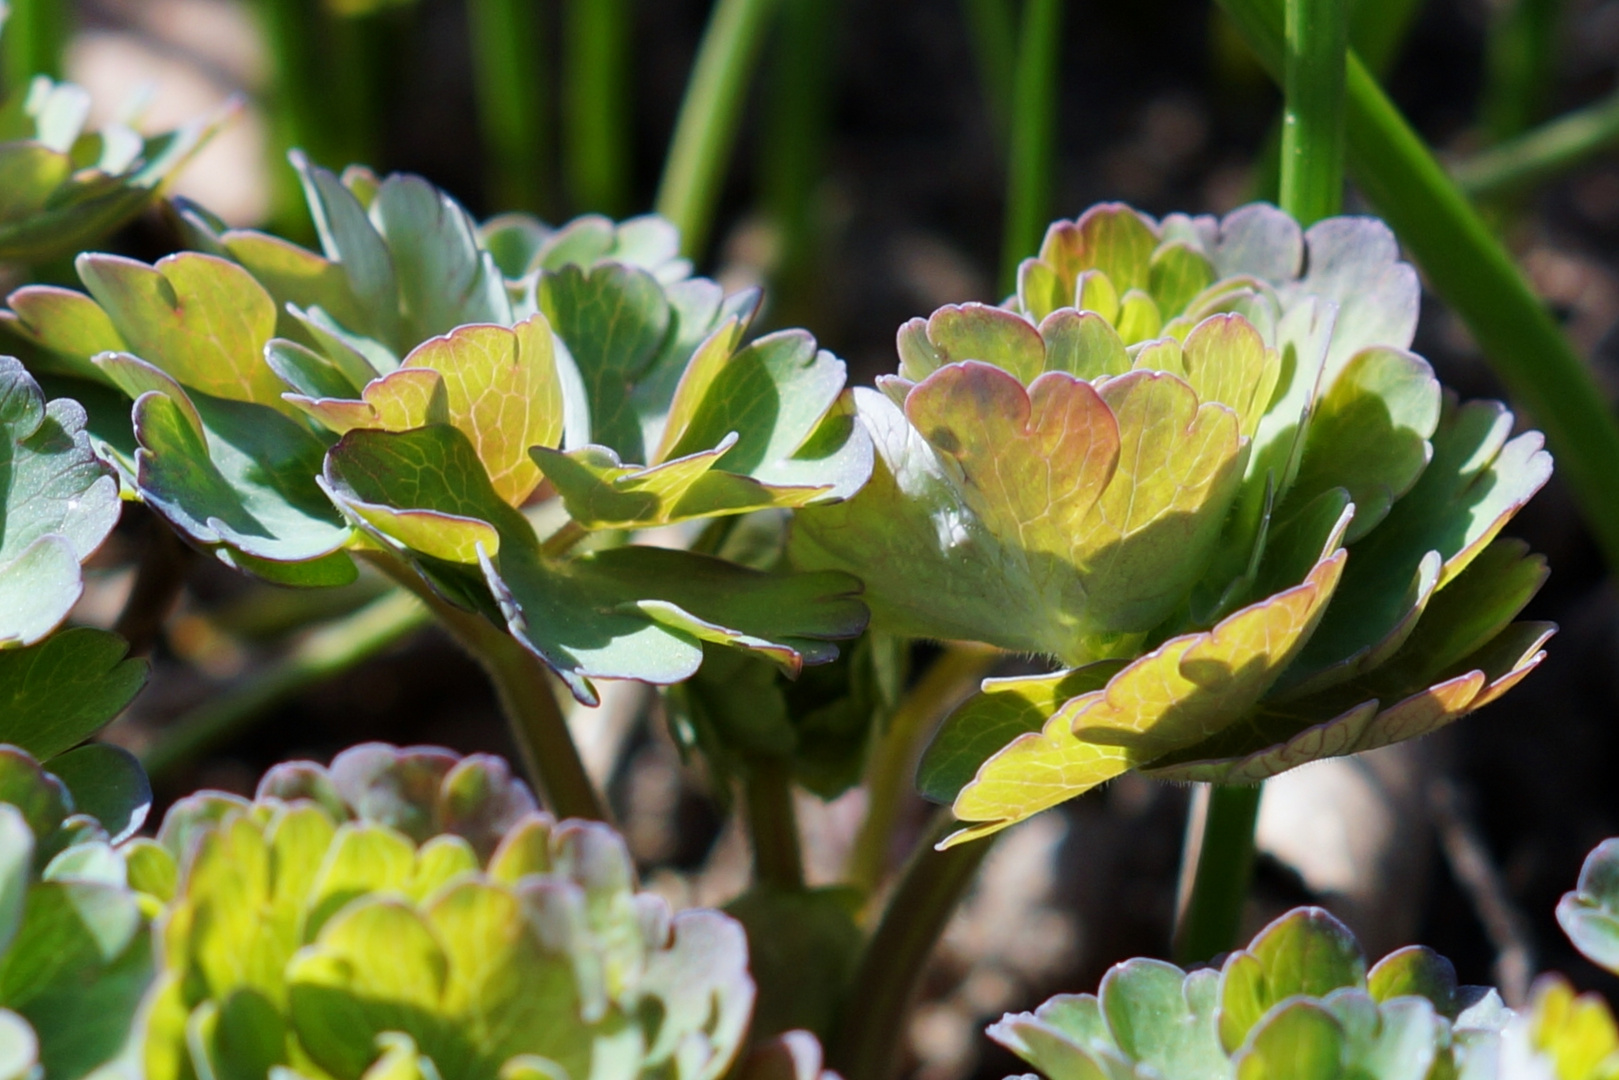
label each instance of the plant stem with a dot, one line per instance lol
(35, 40)
(1220, 835)
(1558, 146)
(508, 65)
(947, 681)
(1520, 57)
(323, 653)
(992, 35)
(159, 577)
(527, 699)
(1033, 135)
(1313, 109)
(866, 1044)
(299, 111)
(596, 105)
(709, 116)
(795, 138)
(1378, 30)
(773, 824)
(1467, 267)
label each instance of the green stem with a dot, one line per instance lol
(1556, 147)
(523, 685)
(323, 653)
(991, 31)
(795, 144)
(1313, 109)
(35, 40)
(892, 763)
(300, 116)
(1520, 59)
(866, 1044)
(508, 66)
(1471, 271)
(1378, 29)
(773, 824)
(1033, 135)
(1220, 836)
(709, 116)
(596, 105)
(159, 577)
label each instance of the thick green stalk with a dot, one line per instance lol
(1221, 832)
(1313, 109)
(1032, 154)
(709, 116)
(773, 824)
(1317, 39)
(991, 31)
(1468, 267)
(795, 136)
(1556, 147)
(523, 685)
(596, 105)
(889, 769)
(1520, 59)
(323, 653)
(866, 1044)
(508, 69)
(35, 40)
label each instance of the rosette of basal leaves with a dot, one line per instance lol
(1269, 539)
(298, 936)
(396, 393)
(63, 188)
(75, 952)
(1590, 914)
(1298, 1003)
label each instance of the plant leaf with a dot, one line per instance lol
(56, 694)
(1590, 914)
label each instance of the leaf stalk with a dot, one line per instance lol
(773, 824)
(1220, 831)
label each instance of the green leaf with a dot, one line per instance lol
(16, 871)
(58, 693)
(613, 319)
(107, 783)
(41, 798)
(1305, 952)
(701, 982)
(201, 320)
(627, 613)
(1175, 696)
(58, 505)
(69, 928)
(67, 326)
(1590, 914)
(986, 722)
(1165, 1020)
(245, 481)
(1416, 971)
(1299, 1042)
(1067, 1038)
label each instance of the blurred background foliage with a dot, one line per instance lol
(859, 159)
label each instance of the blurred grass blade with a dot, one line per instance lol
(992, 33)
(796, 136)
(1555, 147)
(1520, 59)
(1472, 272)
(1313, 112)
(1378, 30)
(35, 41)
(709, 116)
(596, 105)
(1032, 155)
(508, 67)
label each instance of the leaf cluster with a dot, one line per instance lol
(409, 913)
(1196, 463)
(406, 391)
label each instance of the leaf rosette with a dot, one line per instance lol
(307, 933)
(75, 952)
(1297, 1002)
(396, 393)
(1254, 534)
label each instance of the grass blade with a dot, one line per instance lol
(1033, 136)
(508, 62)
(596, 105)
